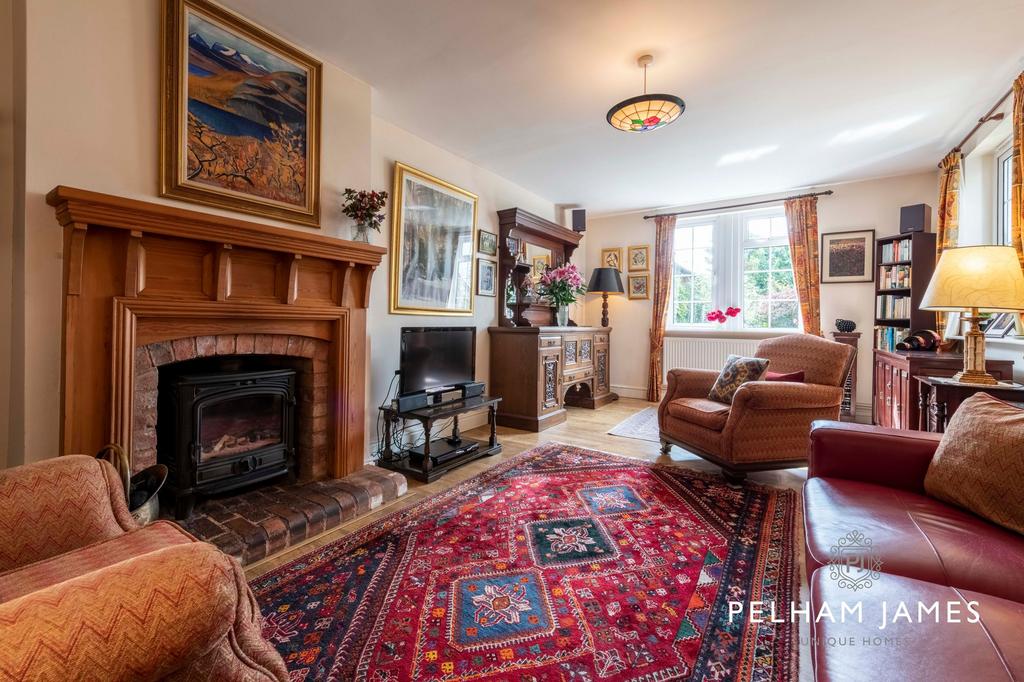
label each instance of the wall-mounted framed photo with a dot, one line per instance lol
(486, 277)
(487, 243)
(848, 256)
(638, 286)
(433, 231)
(639, 258)
(240, 116)
(612, 258)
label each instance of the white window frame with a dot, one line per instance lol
(728, 244)
(1002, 222)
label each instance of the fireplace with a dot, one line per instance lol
(222, 426)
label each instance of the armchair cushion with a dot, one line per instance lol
(701, 411)
(784, 376)
(786, 395)
(42, 574)
(822, 361)
(37, 501)
(737, 371)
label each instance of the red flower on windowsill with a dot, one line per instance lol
(721, 317)
(732, 312)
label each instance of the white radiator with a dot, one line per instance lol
(697, 353)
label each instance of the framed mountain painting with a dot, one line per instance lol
(240, 116)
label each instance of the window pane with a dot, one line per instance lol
(779, 227)
(755, 314)
(702, 261)
(755, 285)
(684, 288)
(701, 310)
(683, 262)
(781, 259)
(702, 236)
(756, 259)
(782, 285)
(759, 228)
(702, 288)
(684, 238)
(784, 314)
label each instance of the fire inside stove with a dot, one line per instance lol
(232, 427)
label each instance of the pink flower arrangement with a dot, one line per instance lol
(562, 284)
(720, 317)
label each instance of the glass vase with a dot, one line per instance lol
(361, 233)
(562, 315)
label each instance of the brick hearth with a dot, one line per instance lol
(258, 523)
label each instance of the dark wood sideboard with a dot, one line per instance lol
(539, 370)
(896, 393)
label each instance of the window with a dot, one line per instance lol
(734, 259)
(1004, 180)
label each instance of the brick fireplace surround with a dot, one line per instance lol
(149, 284)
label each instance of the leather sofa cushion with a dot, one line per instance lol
(41, 574)
(701, 411)
(914, 536)
(978, 464)
(991, 649)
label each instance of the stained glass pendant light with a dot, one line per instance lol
(645, 112)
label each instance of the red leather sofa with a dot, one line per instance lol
(871, 480)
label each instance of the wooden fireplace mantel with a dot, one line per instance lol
(137, 272)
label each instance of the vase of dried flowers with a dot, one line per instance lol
(366, 209)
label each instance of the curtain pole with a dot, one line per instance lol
(990, 115)
(824, 193)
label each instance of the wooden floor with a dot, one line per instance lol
(584, 428)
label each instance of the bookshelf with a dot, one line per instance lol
(904, 264)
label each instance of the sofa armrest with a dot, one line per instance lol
(786, 395)
(889, 457)
(59, 505)
(686, 383)
(179, 609)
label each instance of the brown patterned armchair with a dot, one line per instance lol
(85, 594)
(769, 422)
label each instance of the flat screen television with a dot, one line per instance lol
(435, 357)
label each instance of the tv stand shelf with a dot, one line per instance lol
(430, 460)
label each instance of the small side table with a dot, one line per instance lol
(940, 397)
(433, 458)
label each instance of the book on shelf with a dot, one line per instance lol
(898, 250)
(886, 338)
(891, 307)
(894, 277)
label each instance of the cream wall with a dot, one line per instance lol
(391, 144)
(872, 204)
(9, 170)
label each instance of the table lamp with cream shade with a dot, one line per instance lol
(976, 279)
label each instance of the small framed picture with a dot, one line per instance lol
(513, 246)
(486, 277)
(612, 258)
(540, 264)
(639, 258)
(487, 243)
(953, 326)
(1001, 324)
(848, 256)
(638, 286)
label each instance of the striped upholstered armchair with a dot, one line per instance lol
(769, 422)
(85, 594)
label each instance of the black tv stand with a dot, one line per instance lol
(430, 460)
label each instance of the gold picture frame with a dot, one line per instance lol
(612, 258)
(442, 214)
(639, 258)
(638, 287)
(262, 158)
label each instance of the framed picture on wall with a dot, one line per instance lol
(848, 256)
(612, 258)
(487, 243)
(240, 116)
(433, 230)
(639, 258)
(637, 286)
(486, 277)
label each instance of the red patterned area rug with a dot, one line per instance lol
(560, 564)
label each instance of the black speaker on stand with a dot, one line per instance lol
(579, 220)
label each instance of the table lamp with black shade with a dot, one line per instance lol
(605, 281)
(976, 279)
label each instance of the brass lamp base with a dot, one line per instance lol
(974, 355)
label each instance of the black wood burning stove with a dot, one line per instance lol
(224, 430)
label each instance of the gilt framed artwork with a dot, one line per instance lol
(848, 256)
(487, 243)
(433, 232)
(240, 116)
(638, 286)
(639, 258)
(612, 258)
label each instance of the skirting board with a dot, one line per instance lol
(638, 392)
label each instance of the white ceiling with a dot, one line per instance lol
(819, 92)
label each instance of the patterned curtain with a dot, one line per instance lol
(802, 217)
(1017, 191)
(948, 227)
(663, 236)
